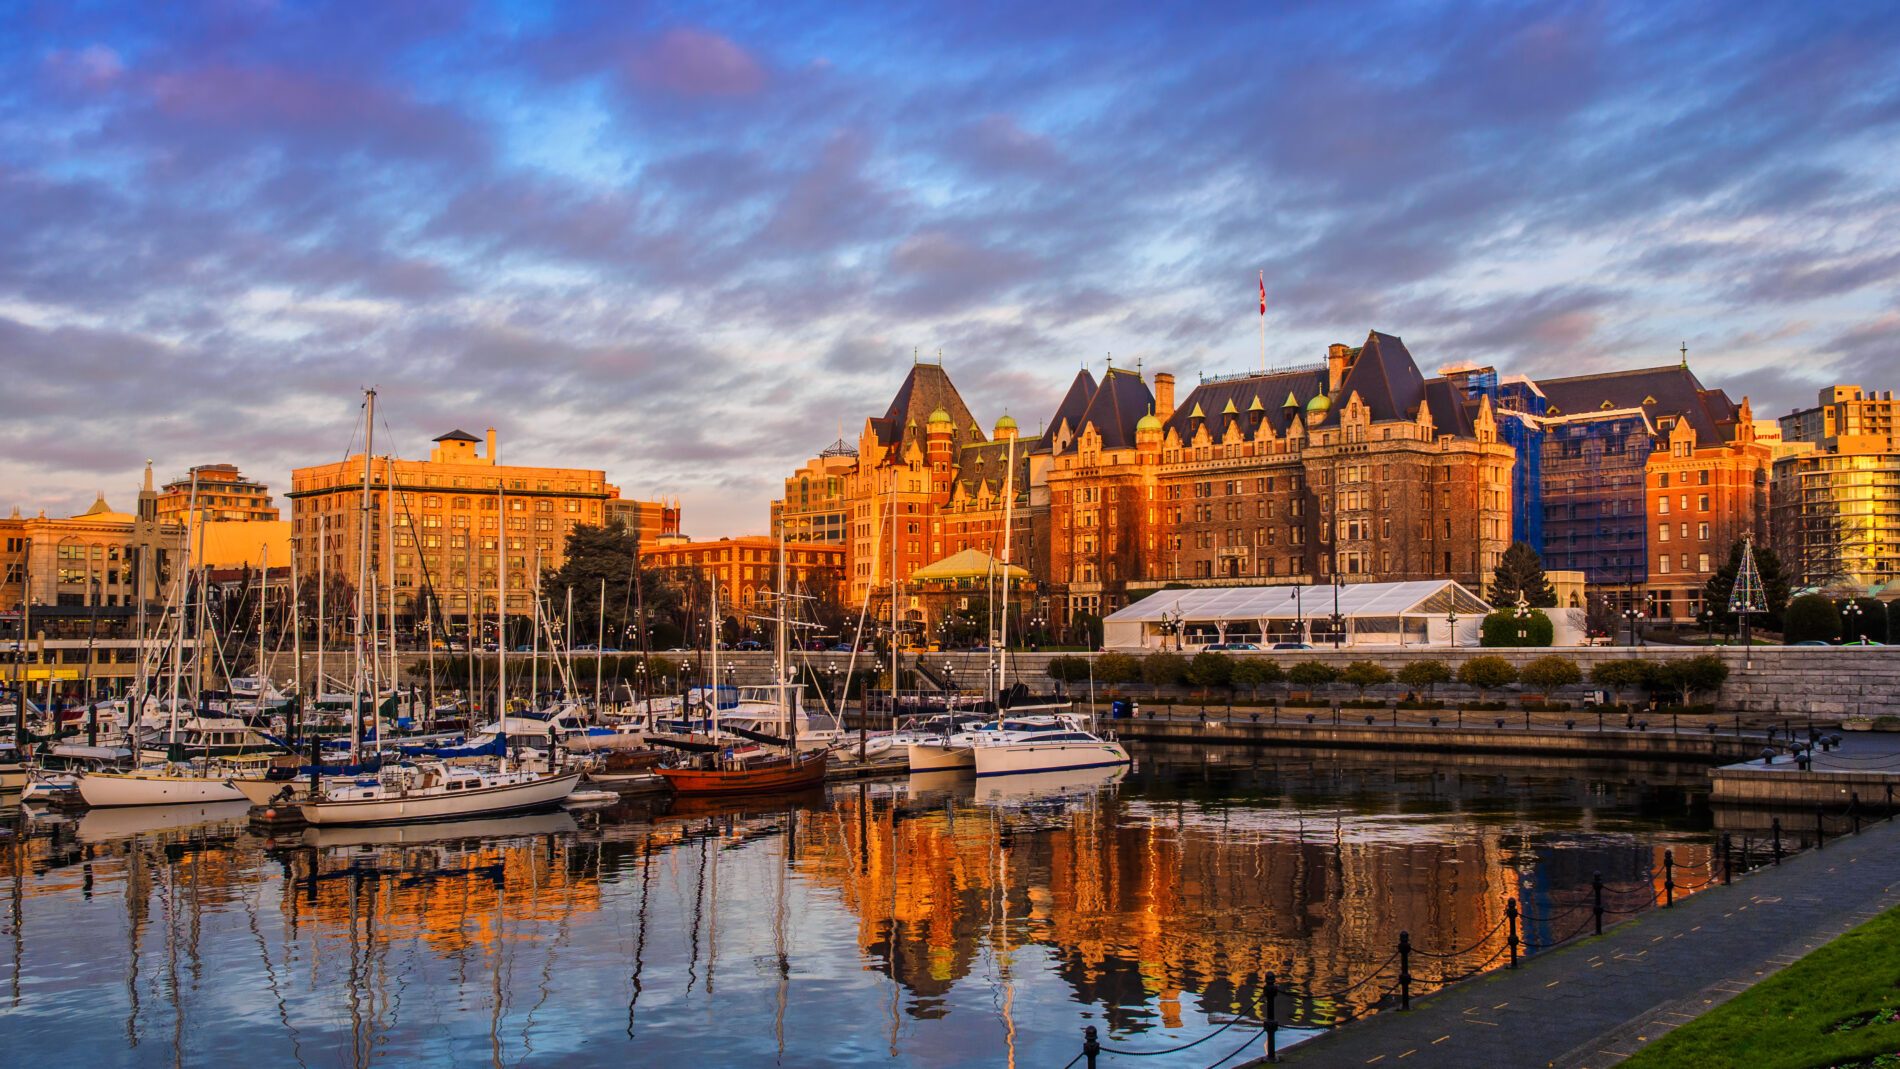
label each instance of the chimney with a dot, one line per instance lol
(1164, 396)
(1335, 366)
(492, 458)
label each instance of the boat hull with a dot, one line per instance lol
(807, 771)
(489, 801)
(12, 776)
(925, 757)
(104, 790)
(1013, 758)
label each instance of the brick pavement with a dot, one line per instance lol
(1592, 1003)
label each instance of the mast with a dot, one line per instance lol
(178, 648)
(501, 602)
(471, 622)
(1009, 501)
(600, 640)
(895, 658)
(786, 700)
(323, 580)
(263, 588)
(389, 563)
(534, 637)
(296, 641)
(365, 600)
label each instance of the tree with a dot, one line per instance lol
(1425, 675)
(1703, 674)
(1256, 672)
(1774, 586)
(1164, 669)
(1521, 572)
(1209, 669)
(1068, 669)
(596, 555)
(1505, 628)
(1811, 617)
(1312, 674)
(1621, 675)
(1363, 674)
(1486, 674)
(1547, 674)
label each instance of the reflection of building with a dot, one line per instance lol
(221, 493)
(443, 529)
(746, 568)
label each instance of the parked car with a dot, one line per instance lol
(1221, 647)
(844, 647)
(1812, 642)
(750, 645)
(1294, 646)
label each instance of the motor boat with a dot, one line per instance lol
(1049, 744)
(957, 752)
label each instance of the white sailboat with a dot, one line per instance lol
(432, 790)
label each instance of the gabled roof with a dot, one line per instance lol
(982, 464)
(1452, 412)
(969, 564)
(1659, 391)
(926, 389)
(1075, 403)
(1240, 390)
(1386, 378)
(457, 435)
(1119, 403)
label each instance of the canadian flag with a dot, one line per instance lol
(1263, 292)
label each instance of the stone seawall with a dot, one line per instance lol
(1826, 683)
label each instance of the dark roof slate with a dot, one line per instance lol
(1385, 377)
(1271, 387)
(1119, 403)
(457, 435)
(1075, 404)
(926, 389)
(1659, 391)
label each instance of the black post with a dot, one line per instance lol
(316, 763)
(1510, 926)
(1596, 891)
(1853, 810)
(1273, 1024)
(1820, 830)
(1748, 844)
(1669, 878)
(1405, 970)
(1728, 859)
(1776, 825)
(1090, 1046)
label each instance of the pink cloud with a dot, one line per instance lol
(697, 63)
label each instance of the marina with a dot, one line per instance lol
(961, 920)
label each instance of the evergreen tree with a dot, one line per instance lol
(1520, 571)
(1774, 585)
(607, 553)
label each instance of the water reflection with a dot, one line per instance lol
(929, 922)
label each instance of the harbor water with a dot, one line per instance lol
(916, 922)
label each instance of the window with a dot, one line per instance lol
(1662, 562)
(1662, 506)
(1702, 562)
(1662, 532)
(1702, 502)
(1702, 531)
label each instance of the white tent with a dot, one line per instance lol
(1378, 614)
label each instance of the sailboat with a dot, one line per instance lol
(429, 789)
(754, 769)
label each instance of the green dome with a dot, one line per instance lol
(1148, 423)
(1319, 403)
(940, 416)
(1006, 423)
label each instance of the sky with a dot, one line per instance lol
(686, 244)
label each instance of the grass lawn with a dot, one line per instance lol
(1833, 1008)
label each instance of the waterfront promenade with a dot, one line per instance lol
(1594, 1002)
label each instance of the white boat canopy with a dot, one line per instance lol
(1421, 613)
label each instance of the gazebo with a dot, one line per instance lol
(1421, 613)
(960, 593)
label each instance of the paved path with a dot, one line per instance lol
(1594, 1002)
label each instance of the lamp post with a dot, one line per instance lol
(1451, 622)
(1299, 616)
(1339, 621)
(1708, 622)
(1635, 617)
(1172, 620)
(1851, 613)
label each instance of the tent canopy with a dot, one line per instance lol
(969, 564)
(1366, 608)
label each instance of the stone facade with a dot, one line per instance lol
(1701, 498)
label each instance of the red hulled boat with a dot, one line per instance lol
(750, 773)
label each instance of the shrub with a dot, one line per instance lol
(1487, 673)
(1256, 672)
(1689, 676)
(1811, 617)
(1425, 675)
(1502, 629)
(1210, 670)
(1116, 669)
(1164, 669)
(1363, 674)
(1312, 674)
(1546, 674)
(1068, 669)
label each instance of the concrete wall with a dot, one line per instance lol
(1797, 681)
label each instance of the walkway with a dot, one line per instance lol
(1594, 1002)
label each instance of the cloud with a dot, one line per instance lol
(697, 63)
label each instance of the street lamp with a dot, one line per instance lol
(1339, 621)
(1708, 622)
(1451, 622)
(1851, 613)
(1172, 620)
(1635, 617)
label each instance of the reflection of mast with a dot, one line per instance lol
(699, 898)
(712, 905)
(137, 902)
(778, 932)
(640, 938)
